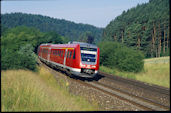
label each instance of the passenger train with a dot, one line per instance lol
(76, 58)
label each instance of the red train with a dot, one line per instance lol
(76, 58)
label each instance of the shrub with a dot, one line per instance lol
(113, 54)
(21, 59)
(19, 45)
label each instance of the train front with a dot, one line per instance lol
(89, 60)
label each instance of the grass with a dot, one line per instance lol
(23, 90)
(156, 71)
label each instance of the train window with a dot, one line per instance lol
(70, 54)
(62, 53)
(88, 49)
(54, 52)
(74, 55)
(65, 53)
(59, 52)
(45, 51)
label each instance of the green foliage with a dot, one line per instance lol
(46, 24)
(138, 24)
(19, 46)
(27, 58)
(115, 55)
(87, 37)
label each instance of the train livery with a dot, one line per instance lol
(76, 58)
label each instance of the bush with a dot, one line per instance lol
(115, 55)
(19, 45)
(21, 59)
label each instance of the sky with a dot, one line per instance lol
(94, 12)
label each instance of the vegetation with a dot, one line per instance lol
(29, 91)
(113, 54)
(62, 27)
(156, 71)
(87, 37)
(19, 47)
(144, 27)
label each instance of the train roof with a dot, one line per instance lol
(60, 45)
(70, 44)
(82, 44)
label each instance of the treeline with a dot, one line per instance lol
(19, 46)
(145, 27)
(63, 27)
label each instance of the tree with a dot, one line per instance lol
(87, 37)
(142, 27)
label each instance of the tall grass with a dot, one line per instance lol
(23, 90)
(156, 71)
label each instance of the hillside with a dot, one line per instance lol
(46, 24)
(144, 27)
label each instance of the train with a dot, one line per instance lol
(76, 58)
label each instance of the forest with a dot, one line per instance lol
(71, 30)
(144, 27)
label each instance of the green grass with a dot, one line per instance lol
(23, 90)
(156, 71)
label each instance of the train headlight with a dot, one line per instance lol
(93, 66)
(82, 65)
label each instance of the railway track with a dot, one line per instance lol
(143, 85)
(152, 93)
(143, 103)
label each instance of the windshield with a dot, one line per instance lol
(88, 54)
